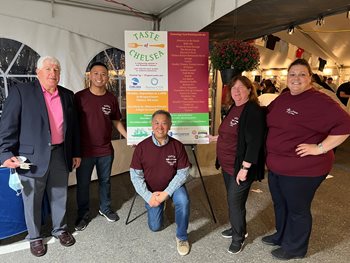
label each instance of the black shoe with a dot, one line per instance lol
(235, 248)
(110, 216)
(279, 253)
(270, 240)
(81, 224)
(227, 233)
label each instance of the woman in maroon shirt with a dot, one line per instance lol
(304, 125)
(241, 155)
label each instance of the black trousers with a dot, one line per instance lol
(237, 196)
(292, 197)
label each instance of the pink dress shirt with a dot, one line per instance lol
(55, 112)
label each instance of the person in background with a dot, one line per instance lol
(304, 125)
(158, 171)
(98, 111)
(331, 84)
(316, 79)
(39, 122)
(269, 87)
(343, 92)
(258, 88)
(241, 155)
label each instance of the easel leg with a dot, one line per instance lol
(132, 204)
(205, 190)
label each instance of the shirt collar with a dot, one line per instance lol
(45, 91)
(157, 143)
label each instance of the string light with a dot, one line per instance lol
(320, 21)
(290, 30)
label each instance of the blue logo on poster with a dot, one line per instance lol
(135, 81)
(154, 81)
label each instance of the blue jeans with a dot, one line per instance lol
(182, 213)
(103, 168)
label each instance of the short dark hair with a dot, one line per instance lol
(302, 62)
(98, 63)
(164, 112)
(329, 78)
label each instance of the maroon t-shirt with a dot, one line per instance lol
(159, 163)
(226, 147)
(95, 116)
(305, 118)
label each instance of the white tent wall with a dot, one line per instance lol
(73, 35)
(197, 14)
(73, 51)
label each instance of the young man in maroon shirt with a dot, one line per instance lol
(98, 111)
(159, 170)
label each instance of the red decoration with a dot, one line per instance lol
(299, 52)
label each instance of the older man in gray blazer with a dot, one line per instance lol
(39, 122)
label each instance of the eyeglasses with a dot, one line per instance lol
(300, 75)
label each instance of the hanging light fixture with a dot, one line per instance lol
(290, 30)
(320, 21)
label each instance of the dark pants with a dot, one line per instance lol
(237, 196)
(292, 197)
(103, 167)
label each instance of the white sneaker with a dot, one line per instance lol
(183, 247)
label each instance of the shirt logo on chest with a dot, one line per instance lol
(171, 160)
(106, 109)
(291, 112)
(234, 121)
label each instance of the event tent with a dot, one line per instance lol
(75, 31)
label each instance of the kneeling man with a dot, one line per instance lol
(159, 170)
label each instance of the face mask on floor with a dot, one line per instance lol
(15, 182)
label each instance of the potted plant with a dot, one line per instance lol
(233, 57)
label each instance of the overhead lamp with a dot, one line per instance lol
(290, 30)
(320, 21)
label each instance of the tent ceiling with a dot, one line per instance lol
(151, 8)
(255, 19)
(258, 18)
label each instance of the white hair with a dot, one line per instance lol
(42, 59)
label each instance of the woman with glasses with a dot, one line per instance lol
(304, 125)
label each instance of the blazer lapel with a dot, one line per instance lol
(64, 107)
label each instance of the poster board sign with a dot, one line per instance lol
(168, 71)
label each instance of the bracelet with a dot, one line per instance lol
(320, 146)
(244, 168)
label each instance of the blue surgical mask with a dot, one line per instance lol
(15, 182)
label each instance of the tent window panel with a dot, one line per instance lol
(25, 62)
(2, 92)
(8, 50)
(17, 65)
